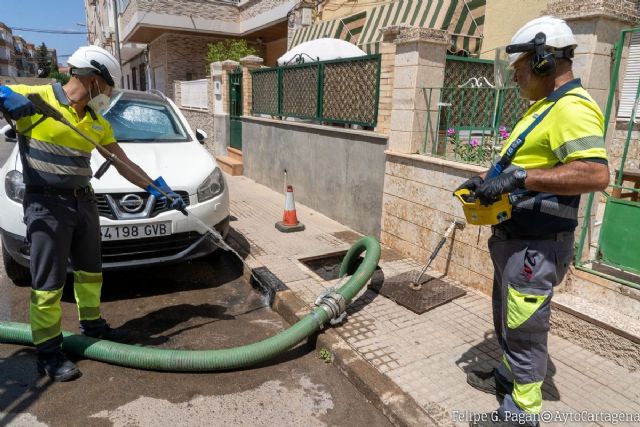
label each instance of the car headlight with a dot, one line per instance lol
(211, 186)
(14, 186)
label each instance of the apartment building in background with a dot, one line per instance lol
(17, 56)
(166, 40)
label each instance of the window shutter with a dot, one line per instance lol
(631, 79)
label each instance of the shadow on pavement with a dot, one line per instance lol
(20, 384)
(150, 329)
(485, 356)
(205, 273)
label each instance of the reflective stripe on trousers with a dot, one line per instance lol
(62, 228)
(525, 272)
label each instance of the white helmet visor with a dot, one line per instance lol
(502, 69)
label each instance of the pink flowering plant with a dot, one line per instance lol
(476, 149)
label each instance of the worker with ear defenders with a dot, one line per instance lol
(555, 153)
(60, 208)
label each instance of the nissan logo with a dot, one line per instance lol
(131, 203)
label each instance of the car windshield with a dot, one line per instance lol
(137, 120)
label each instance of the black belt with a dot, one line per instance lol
(71, 192)
(503, 234)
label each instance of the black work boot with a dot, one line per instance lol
(106, 332)
(57, 366)
(486, 381)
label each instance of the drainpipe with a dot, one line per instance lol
(117, 41)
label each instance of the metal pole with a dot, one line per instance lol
(117, 41)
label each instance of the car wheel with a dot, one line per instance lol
(18, 274)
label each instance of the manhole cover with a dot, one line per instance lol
(434, 292)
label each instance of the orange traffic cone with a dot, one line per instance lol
(289, 221)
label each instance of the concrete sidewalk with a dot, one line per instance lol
(426, 356)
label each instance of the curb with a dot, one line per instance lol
(400, 408)
(385, 395)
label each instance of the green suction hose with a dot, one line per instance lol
(223, 359)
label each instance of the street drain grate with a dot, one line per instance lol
(267, 283)
(434, 292)
(327, 266)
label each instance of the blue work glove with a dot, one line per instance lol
(175, 201)
(17, 105)
(506, 182)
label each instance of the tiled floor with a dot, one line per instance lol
(426, 355)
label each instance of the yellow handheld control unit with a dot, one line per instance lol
(479, 214)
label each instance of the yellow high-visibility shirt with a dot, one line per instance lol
(53, 154)
(572, 130)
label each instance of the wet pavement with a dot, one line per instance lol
(199, 305)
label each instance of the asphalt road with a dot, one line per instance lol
(204, 304)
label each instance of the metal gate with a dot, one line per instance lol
(235, 108)
(615, 256)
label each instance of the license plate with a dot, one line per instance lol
(135, 231)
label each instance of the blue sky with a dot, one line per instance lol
(47, 15)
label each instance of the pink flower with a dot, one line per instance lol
(474, 143)
(451, 132)
(503, 128)
(504, 134)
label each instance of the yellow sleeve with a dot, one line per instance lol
(577, 131)
(107, 137)
(27, 89)
(43, 90)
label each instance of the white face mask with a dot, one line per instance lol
(99, 102)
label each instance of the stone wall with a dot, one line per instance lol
(158, 59)
(127, 14)
(338, 172)
(187, 59)
(616, 145)
(220, 138)
(387, 61)
(625, 10)
(418, 206)
(198, 119)
(253, 8)
(205, 9)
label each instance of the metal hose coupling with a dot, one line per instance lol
(333, 303)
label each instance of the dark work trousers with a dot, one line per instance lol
(525, 273)
(62, 228)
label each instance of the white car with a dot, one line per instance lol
(136, 229)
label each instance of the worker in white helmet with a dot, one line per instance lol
(59, 205)
(555, 153)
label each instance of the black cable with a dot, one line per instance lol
(35, 30)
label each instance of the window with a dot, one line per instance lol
(143, 81)
(137, 120)
(133, 79)
(128, 82)
(631, 79)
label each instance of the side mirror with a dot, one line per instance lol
(201, 135)
(9, 133)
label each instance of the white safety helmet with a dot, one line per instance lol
(557, 32)
(98, 60)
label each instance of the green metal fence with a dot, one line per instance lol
(615, 255)
(459, 69)
(339, 91)
(469, 123)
